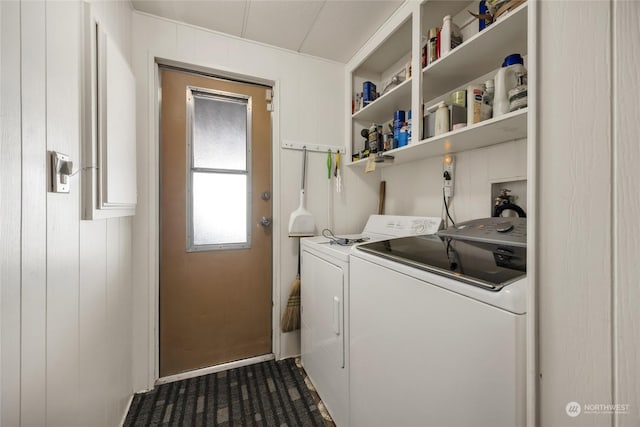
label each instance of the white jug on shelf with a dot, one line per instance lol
(505, 80)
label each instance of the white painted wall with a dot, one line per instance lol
(10, 213)
(588, 207)
(65, 342)
(416, 188)
(309, 94)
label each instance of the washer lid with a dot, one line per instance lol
(488, 265)
(508, 231)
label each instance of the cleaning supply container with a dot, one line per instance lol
(474, 102)
(518, 95)
(458, 109)
(486, 109)
(442, 118)
(398, 121)
(403, 136)
(505, 80)
(450, 36)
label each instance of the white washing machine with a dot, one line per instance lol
(325, 302)
(437, 328)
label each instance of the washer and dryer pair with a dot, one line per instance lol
(431, 327)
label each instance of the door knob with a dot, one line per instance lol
(265, 222)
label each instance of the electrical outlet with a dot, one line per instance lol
(447, 174)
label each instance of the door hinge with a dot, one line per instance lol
(269, 98)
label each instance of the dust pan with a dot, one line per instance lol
(301, 223)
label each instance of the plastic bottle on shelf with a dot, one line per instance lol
(409, 126)
(505, 80)
(450, 36)
(489, 86)
(375, 137)
(398, 122)
(369, 92)
(432, 51)
(425, 53)
(518, 95)
(458, 117)
(474, 103)
(482, 10)
(442, 118)
(445, 36)
(403, 136)
(486, 109)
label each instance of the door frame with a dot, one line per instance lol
(153, 217)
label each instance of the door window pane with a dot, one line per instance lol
(219, 208)
(219, 132)
(220, 144)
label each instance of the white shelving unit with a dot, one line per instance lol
(386, 55)
(480, 54)
(477, 59)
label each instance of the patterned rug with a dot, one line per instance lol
(266, 394)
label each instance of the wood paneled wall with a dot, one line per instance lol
(626, 195)
(65, 319)
(588, 204)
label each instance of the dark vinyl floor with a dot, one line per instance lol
(271, 393)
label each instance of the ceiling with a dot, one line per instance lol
(331, 29)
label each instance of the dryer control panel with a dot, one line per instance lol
(400, 225)
(500, 230)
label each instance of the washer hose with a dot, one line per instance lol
(497, 210)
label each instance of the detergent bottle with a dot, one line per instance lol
(505, 80)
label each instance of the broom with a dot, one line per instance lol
(291, 316)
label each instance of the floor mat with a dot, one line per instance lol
(266, 394)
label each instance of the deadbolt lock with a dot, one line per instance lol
(265, 222)
(266, 195)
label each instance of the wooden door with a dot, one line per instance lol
(215, 247)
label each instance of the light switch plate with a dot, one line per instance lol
(61, 167)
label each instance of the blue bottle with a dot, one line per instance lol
(482, 9)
